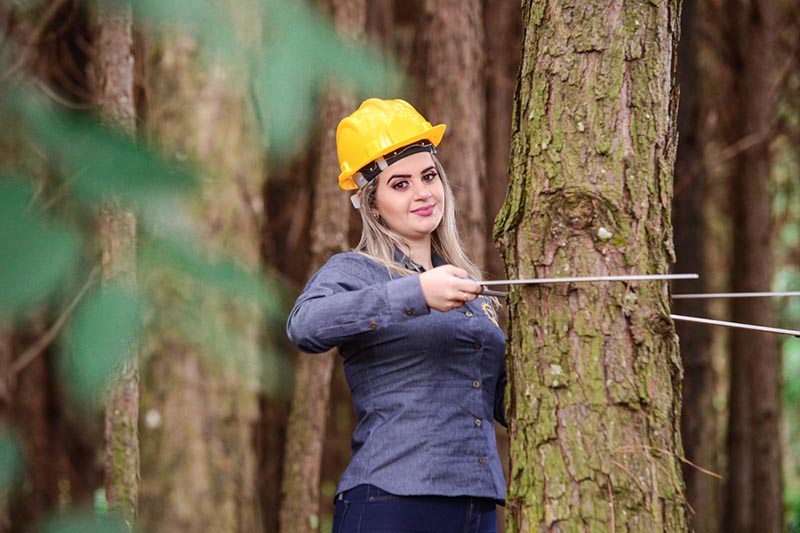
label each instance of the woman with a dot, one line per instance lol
(423, 354)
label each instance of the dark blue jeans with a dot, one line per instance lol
(368, 509)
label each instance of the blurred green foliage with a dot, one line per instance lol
(101, 336)
(290, 54)
(786, 211)
(10, 460)
(294, 54)
(86, 523)
(37, 253)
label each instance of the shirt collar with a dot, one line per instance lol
(403, 259)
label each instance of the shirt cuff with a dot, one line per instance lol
(405, 298)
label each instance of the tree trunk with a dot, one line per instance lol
(503, 44)
(698, 417)
(200, 383)
(454, 94)
(754, 490)
(113, 70)
(594, 369)
(305, 434)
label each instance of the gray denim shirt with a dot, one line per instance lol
(426, 385)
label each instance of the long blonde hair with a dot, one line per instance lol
(379, 242)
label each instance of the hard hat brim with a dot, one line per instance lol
(434, 135)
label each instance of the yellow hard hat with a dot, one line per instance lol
(375, 129)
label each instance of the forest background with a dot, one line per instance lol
(169, 184)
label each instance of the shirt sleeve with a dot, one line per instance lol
(499, 398)
(343, 300)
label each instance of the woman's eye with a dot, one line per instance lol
(399, 185)
(430, 176)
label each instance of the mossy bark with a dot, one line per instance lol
(201, 363)
(594, 368)
(113, 80)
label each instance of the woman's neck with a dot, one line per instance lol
(420, 253)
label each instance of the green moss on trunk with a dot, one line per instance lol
(594, 368)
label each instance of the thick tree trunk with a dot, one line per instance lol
(754, 496)
(594, 369)
(200, 385)
(305, 434)
(454, 94)
(698, 417)
(113, 72)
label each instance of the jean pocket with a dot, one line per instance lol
(339, 515)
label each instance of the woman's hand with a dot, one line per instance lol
(446, 289)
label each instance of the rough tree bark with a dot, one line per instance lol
(201, 360)
(594, 369)
(454, 94)
(698, 417)
(113, 78)
(754, 499)
(305, 434)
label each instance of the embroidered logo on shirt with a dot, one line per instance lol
(488, 309)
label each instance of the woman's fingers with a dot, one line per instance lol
(446, 287)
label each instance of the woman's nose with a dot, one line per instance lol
(421, 191)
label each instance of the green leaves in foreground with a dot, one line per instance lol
(100, 339)
(302, 52)
(87, 523)
(36, 254)
(222, 274)
(298, 52)
(100, 162)
(10, 460)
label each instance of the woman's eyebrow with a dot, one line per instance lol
(407, 176)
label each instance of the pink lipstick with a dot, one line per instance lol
(424, 211)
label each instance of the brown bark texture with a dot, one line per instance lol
(305, 435)
(754, 489)
(594, 369)
(698, 415)
(454, 94)
(114, 75)
(503, 30)
(201, 362)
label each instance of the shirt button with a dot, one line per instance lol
(477, 346)
(482, 460)
(478, 422)
(373, 325)
(476, 384)
(409, 311)
(468, 313)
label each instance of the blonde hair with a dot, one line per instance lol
(379, 242)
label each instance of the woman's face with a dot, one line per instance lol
(409, 197)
